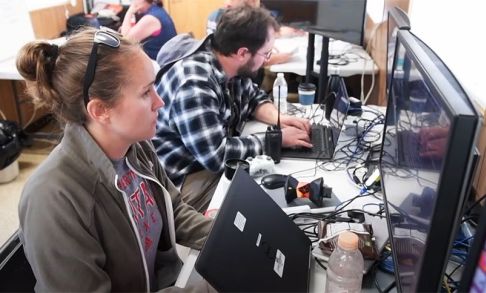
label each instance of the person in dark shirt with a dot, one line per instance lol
(146, 21)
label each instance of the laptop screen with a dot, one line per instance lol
(339, 96)
(253, 246)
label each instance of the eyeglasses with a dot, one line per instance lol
(103, 36)
(266, 55)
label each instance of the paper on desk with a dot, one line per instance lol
(337, 47)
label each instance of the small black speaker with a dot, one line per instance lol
(273, 143)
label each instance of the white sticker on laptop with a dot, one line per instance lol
(240, 221)
(279, 264)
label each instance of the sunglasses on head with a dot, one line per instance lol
(105, 37)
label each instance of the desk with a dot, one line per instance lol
(360, 61)
(8, 70)
(338, 180)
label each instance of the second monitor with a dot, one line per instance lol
(338, 19)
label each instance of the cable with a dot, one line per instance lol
(320, 263)
(475, 204)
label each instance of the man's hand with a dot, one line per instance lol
(134, 7)
(297, 122)
(295, 137)
(295, 131)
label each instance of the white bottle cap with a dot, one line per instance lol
(280, 74)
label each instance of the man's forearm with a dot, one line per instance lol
(266, 113)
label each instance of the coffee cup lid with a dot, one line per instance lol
(307, 86)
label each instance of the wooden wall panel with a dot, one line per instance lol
(48, 23)
(376, 44)
(190, 16)
(9, 107)
(7, 101)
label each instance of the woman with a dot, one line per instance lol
(100, 214)
(146, 21)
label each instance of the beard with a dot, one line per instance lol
(246, 70)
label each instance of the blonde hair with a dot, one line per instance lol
(54, 75)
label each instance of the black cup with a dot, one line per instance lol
(231, 165)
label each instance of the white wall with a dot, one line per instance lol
(15, 27)
(454, 29)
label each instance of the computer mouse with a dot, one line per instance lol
(274, 181)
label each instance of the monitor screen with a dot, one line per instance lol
(338, 19)
(426, 159)
(397, 20)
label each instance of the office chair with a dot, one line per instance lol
(15, 272)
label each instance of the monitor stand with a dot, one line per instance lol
(309, 71)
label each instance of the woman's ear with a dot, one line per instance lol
(98, 111)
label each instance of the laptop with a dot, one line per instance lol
(253, 246)
(326, 136)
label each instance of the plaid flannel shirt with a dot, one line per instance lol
(204, 112)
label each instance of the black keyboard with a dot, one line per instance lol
(321, 137)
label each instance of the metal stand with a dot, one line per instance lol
(309, 71)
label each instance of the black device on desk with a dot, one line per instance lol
(273, 137)
(324, 137)
(282, 189)
(424, 206)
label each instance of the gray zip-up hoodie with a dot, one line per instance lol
(75, 225)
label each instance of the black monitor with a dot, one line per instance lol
(338, 19)
(426, 160)
(397, 20)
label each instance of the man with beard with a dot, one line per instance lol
(209, 96)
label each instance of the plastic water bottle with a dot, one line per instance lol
(345, 266)
(282, 84)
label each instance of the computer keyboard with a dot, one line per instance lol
(323, 145)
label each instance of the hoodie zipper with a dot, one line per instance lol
(134, 226)
(170, 216)
(167, 199)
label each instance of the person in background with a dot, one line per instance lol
(147, 22)
(100, 214)
(209, 95)
(277, 57)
